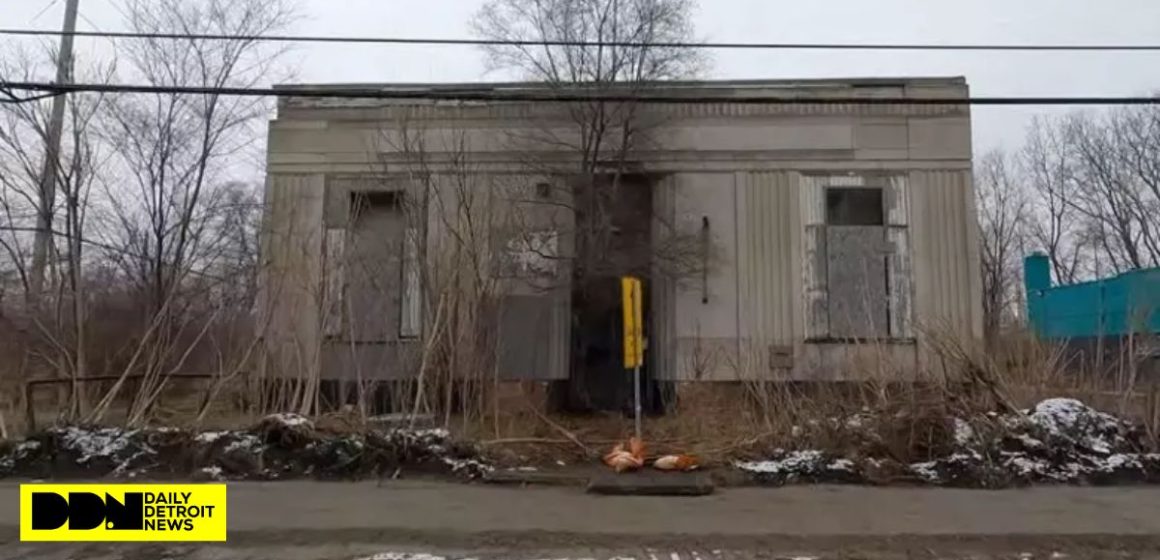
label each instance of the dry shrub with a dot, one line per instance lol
(884, 411)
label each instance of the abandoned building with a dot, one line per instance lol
(777, 241)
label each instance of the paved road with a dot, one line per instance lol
(309, 520)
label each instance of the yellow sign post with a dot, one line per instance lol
(632, 295)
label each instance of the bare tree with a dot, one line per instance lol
(589, 148)
(1049, 174)
(54, 329)
(172, 206)
(172, 149)
(618, 52)
(1114, 155)
(1095, 179)
(1003, 213)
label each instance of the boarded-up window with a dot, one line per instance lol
(857, 263)
(384, 291)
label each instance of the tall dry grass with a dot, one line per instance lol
(912, 413)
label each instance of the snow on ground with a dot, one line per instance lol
(406, 556)
(1057, 441)
(89, 444)
(964, 433)
(1071, 419)
(801, 465)
(279, 446)
(209, 437)
(290, 420)
(793, 462)
(248, 443)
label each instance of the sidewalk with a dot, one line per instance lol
(460, 515)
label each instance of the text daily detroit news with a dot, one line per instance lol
(115, 512)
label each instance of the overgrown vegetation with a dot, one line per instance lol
(140, 313)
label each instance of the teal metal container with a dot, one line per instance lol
(1120, 305)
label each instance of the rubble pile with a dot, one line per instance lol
(280, 446)
(1057, 441)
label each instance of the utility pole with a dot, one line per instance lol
(46, 199)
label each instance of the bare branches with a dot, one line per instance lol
(153, 257)
(645, 23)
(1003, 215)
(1093, 179)
(1083, 190)
(595, 181)
(171, 147)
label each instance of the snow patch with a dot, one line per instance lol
(209, 437)
(289, 419)
(90, 444)
(809, 463)
(964, 433)
(212, 472)
(1072, 420)
(926, 471)
(793, 462)
(249, 443)
(470, 467)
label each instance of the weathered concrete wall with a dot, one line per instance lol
(291, 296)
(753, 173)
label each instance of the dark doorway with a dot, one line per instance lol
(613, 239)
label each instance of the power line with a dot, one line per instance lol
(12, 99)
(43, 11)
(622, 44)
(487, 95)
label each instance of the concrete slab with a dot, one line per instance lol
(556, 477)
(651, 483)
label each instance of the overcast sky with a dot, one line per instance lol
(899, 21)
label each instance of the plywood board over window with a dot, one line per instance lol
(382, 298)
(857, 264)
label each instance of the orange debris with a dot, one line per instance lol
(677, 463)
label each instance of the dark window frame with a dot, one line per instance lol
(855, 206)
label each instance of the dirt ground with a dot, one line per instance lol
(409, 520)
